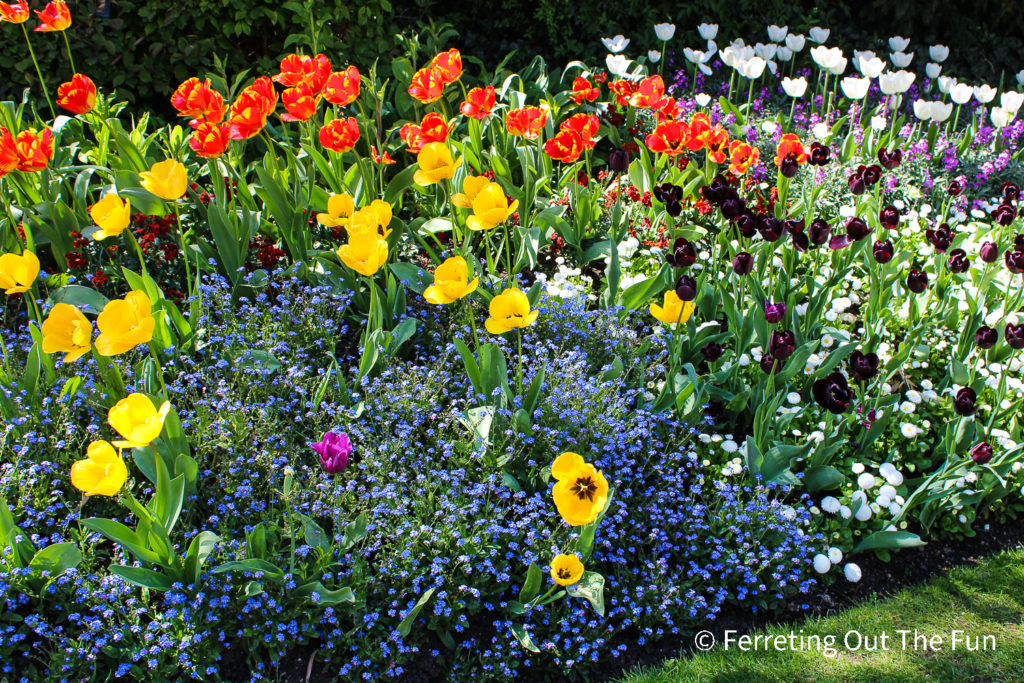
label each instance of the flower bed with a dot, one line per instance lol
(506, 373)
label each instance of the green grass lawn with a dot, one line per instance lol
(978, 601)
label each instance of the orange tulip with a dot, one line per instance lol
(412, 135)
(78, 95)
(385, 160)
(649, 93)
(427, 85)
(14, 13)
(198, 99)
(699, 125)
(342, 87)
(210, 140)
(742, 157)
(55, 16)
(583, 91)
(8, 152)
(669, 138)
(302, 69)
(479, 103)
(300, 103)
(585, 125)
(716, 142)
(250, 111)
(669, 110)
(528, 121)
(790, 152)
(449, 65)
(340, 135)
(623, 90)
(565, 147)
(34, 151)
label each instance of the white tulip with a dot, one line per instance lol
(752, 68)
(795, 42)
(826, 57)
(1000, 117)
(783, 54)
(855, 88)
(945, 83)
(766, 52)
(820, 130)
(618, 65)
(878, 123)
(941, 111)
(1011, 100)
(818, 35)
(984, 93)
(961, 93)
(863, 54)
(795, 87)
(665, 31)
(1020, 77)
(653, 56)
(932, 70)
(616, 44)
(708, 31)
(898, 44)
(869, 67)
(852, 572)
(839, 68)
(897, 82)
(777, 34)
(702, 99)
(902, 59)
(922, 109)
(938, 53)
(821, 564)
(693, 56)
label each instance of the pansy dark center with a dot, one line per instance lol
(584, 488)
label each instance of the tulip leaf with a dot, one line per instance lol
(252, 359)
(56, 559)
(200, 549)
(84, 298)
(123, 536)
(823, 477)
(519, 631)
(534, 577)
(355, 531)
(406, 625)
(252, 564)
(140, 576)
(325, 596)
(888, 540)
(314, 534)
(591, 589)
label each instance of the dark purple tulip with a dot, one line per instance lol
(1004, 214)
(333, 450)
(819, 231)
(1018, 242)
(1014, 335)
(747, 225)
(857, 229)
(733, 208)
(712, 351)
(686, 288)
(958, 261)
(940, 238)
(742, 263)
(789, 167)
(872, 174)
(769, 363)
(667, 192)
(1010, 192)
(800, 241)
(890, 160)
(864, 366)
(793, 225)
(981, 453)
(839, 241)
(989, 252)
(618, 160)
(883, 251)
(782, 344)
(917, 281)
(833, 393)
(964, 403)
(683, 254)
(820, 154)
(1014, 261)
(715, 191)
(769, 226)
(856, 183)
(889, 217)
(954, 188)
(774, 312)
(986, 337)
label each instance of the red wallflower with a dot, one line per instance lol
(479, 103)
(340, 135)
(342, 87)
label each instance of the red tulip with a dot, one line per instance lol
(77, 95)
(340, 135)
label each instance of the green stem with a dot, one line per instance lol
(42, 81)
(67, 44)
(519, 372)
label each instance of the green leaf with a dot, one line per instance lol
(84, 298)
(822, 478)
(56, 559)
(519, 631)
(534, 577)
(252, 564)
(591, 589)
(140, 576)
(124, 537)
(406, 626)
(888, 540)
(417, 279)
(325, 596)
(254, 359)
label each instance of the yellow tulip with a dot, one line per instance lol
(18, 272)
(365, 252)
(471, 187)
(490, 208)
(137, 420)
(509, 310)
(434, 164)
(340, 208)
(166, 179)
(102, 474)
(581, 491)
(382, 210)
(112, 214)
(124, 324)
(67, 330)
(566, 570)
(674, 310)
(450, 282)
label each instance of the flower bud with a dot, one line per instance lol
(986, 337)
(882, 251)
(774, 312)
(965, 401)
(686, 288)
(917, 281)
(742, 263)
(857, 229)
(989, 252)
(819, 231)
(981, 453)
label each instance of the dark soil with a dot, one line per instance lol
(909, 567)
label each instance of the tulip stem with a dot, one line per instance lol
(42, 81)
(184, 252)
(67, 44)
(472, 321)
(519, 372)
